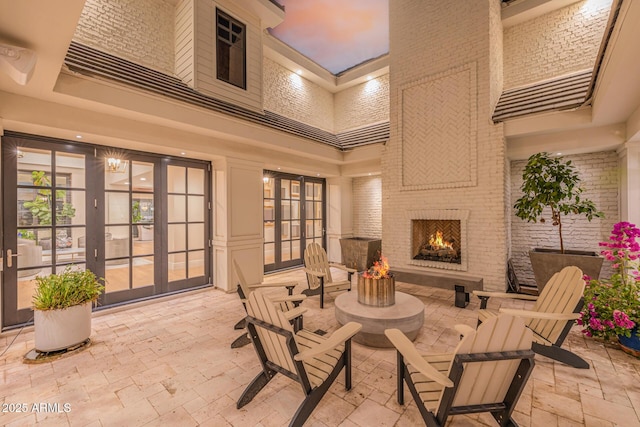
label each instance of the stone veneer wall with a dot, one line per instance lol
(138, 30)
(444, 152)
(367, 206)
(362, 104)
(557, 43)
(599, 174)
(293, 96)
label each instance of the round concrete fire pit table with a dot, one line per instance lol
(407, 314)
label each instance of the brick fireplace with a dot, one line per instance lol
(438, 239)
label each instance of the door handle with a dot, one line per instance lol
(10, 258)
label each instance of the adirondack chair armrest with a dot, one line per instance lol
(412, 357)
(343, 267)
(288, 285)
(539, 315)
(294, 313)
(464, 330)
(337, 338)
(488, 294)
(314, 272)
(289, 298)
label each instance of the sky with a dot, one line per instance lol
(336, 34)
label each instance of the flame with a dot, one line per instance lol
(379, 269)
(438, 241)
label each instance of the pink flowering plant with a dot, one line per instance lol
(612, 306)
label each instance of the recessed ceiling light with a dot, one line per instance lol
(559, 154)
(299, 72)
(369, 173)
(318, 174)
(182, 153)
(369, 78)
(278, 168)
(79, 136)
(143, 179)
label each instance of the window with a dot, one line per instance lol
(230, 50)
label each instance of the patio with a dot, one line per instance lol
(169, 362)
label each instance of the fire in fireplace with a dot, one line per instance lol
(436, 240)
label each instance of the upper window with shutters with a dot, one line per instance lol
(231, 61)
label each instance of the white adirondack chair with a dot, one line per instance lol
(486, 373)
(551, 318)
(289, 304)
(308, 358)
(318, 271)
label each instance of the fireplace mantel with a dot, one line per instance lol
(440, 214)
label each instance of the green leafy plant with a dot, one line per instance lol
(613, 305)
(136, 215)
(554, 183)
(40, 206)
(66, 289)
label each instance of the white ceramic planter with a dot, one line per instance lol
(60, 329)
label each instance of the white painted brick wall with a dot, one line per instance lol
(138, 30)
(362, 104)
(599, 174)
(367, 206)
(557, 43)
(293, 96)
(429, 37)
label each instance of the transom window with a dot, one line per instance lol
(230, 50)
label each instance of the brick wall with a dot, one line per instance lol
(599, 174)
(293, 96)
(434, 42)
(362, 104)
(138, 30)
(557, 43)
(367, 206)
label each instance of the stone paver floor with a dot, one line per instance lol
(170, 363)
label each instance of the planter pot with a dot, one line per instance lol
(631, 344)
(547, 262)
(60, 329)
(360, 252)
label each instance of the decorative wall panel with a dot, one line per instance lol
(438, 128)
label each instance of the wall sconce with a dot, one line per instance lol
(115, 165)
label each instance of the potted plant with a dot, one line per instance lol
(62, 308)
(552, 185)
(612, 308)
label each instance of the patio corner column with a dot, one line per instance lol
(630, 176)
(237, 221)
(339, 214)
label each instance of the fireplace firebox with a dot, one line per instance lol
(438, 240)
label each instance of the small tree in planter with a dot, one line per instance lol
(554, 183)
(62, 308)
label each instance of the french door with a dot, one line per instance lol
(293, 217)
(138, 220)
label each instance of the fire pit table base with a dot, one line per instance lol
(407, 314)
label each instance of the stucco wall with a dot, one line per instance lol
(367, 206)
(557, 43)
(138, 30)
(362, 104)
(599, 174)
(445, 157)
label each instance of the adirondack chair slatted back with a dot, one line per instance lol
(315, 258)
(562, 294)
(244, 290)
(275, 345)
(487, 382)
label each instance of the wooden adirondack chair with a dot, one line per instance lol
(486, 373)
(289, 304)
(551, 318)
(312, 360)
(318, 272)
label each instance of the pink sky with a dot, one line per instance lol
(337, 34)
